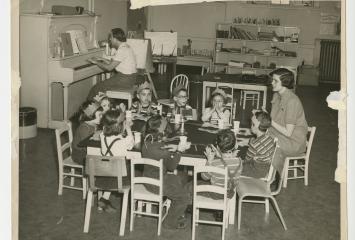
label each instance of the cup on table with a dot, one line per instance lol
(160, 109)
(220, 123)
(177, 118)
(183, 140)
(236, 126)
(137, 137)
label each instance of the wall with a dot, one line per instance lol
(198, 21)
(113, 12)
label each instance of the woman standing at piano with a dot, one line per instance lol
(123, 61)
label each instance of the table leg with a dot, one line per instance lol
(65, 99)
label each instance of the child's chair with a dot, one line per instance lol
(105, 166)
(204, 202)
(249, 95)
(141, 196)
(64, 139)
(297, 165)
(260, 188)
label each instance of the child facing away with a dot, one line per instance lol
(261, 149)
(144, 104)
(90, 114)
(180, 105)
(174, 186)
(218, 109)
(116, 139)
(222, 155)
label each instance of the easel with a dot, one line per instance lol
(143, 51)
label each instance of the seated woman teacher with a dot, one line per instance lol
(124, 62)
(288, 123)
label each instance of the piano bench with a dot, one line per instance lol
(125, 94)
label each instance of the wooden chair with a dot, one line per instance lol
(180, 79)
(260, 188)
(204, 202)
(140, 196)
(66, 166)
(105, 166)
(249, 95)
(299, 164)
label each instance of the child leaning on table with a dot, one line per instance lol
(90, 114)
(116, 139)
(174, 186)
(222, 155)
(218, 109)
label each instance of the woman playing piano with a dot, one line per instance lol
(123, 61)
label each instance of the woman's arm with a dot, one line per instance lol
(287, 131)
(107, 65)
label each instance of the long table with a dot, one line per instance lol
(192, 157)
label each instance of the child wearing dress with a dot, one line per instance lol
(116, 139)
(218, 109)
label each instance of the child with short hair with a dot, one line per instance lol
(174, 186)
(261, 149)
(144, 104)
(116, 140)
(180, 104)
(223, 155)
(218, 109)
(90, 115)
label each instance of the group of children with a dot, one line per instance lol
(116, 139)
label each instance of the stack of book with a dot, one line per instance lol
(238, 33)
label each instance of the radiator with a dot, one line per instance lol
(329, 62)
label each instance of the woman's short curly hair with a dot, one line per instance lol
(286, 76)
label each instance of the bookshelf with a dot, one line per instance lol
(255, 48)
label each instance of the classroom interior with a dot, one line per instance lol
(311, 212)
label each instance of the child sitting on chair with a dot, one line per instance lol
(116, 139)
(89, 118)
(144, 104)
(180, 106)
(174, 186)
(218, 109)
(103, 101)
(222, 155)
(261, 149)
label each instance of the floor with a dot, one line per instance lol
(310, 212)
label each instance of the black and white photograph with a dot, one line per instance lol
(191, 119)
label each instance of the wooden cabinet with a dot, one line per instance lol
(255, 49)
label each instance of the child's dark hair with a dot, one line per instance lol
(119, 34)
(226, 140)
(112, 123)
(265, 120)
(82, 115)
(152, 127)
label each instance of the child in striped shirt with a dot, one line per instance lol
(260, 151)
(226, 147)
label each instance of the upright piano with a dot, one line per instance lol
(54, 84)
